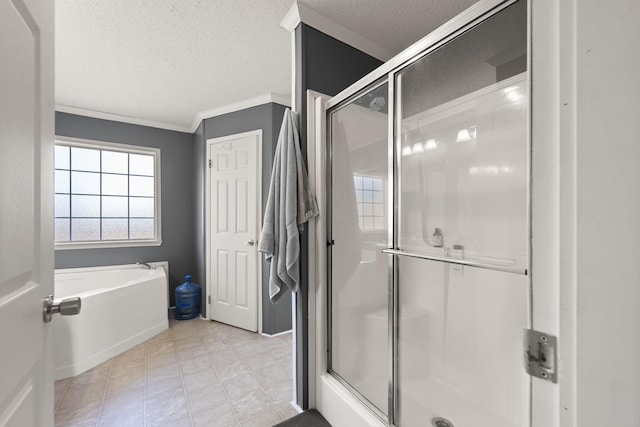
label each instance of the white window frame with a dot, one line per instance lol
(124, 148)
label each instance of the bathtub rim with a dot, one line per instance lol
(163, 264)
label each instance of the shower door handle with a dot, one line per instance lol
(66, 307)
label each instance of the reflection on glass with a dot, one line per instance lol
(463, 134)
(359, 287)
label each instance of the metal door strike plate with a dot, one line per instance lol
(540, 355)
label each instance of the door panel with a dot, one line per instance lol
(26, 211)
(463, 191)
(235, 210)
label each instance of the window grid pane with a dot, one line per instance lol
(104, 195)
(370, 200)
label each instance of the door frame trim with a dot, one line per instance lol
(207, 217)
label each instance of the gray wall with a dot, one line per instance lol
(326, 65)
(176, 151)
(268, 117)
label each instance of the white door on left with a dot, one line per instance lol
(26, 211)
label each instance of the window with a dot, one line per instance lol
(106, 195)
(369, 195)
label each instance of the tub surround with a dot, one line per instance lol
(122, 306)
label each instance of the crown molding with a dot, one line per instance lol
(242, 105)
(119, 118)
(302, 13)
(230, 108)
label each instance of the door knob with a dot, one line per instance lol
(66, 307)
(250, 242)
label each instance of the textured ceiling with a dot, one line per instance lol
(166, 61)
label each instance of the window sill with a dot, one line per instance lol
(65, 246)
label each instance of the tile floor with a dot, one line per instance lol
(197, 373)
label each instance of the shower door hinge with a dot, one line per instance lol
(540, 355)
(209, 163)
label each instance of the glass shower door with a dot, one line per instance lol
(462, 150)
(359, 285)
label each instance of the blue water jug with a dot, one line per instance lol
(187, 300)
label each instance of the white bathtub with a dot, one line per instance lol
(122, 306)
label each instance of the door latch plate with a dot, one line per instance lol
(540, 355)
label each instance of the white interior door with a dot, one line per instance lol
(235, 206)
(26, 211)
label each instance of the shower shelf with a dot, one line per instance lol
(460, 261)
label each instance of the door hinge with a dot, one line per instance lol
(540, 355)
(209, 299)
(209, 163)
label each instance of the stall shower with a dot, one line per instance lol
(428, 231)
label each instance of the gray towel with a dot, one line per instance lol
(289, 205)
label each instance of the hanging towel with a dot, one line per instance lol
(290, 204)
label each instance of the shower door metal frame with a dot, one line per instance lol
(329, 194)
(389, 72)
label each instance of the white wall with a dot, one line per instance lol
(608, 212)
(586, 205)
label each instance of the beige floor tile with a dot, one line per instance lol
(241, 385)
(79, 415)
(271, 374)
(232, 369)
(166, 406)
(286, 410)
(219, 358)
(280, 392)
(231, 377)
(219, 416)
(250, 405)
(267, 419)
(114, 406)
(197, 364)
(161, 348)
(123, 419)
(202, 379)
(82, 394)
(162, 380)
(160, 389)
(209, 398)
(181, 419)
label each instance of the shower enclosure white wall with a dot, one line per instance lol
(428, 230)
